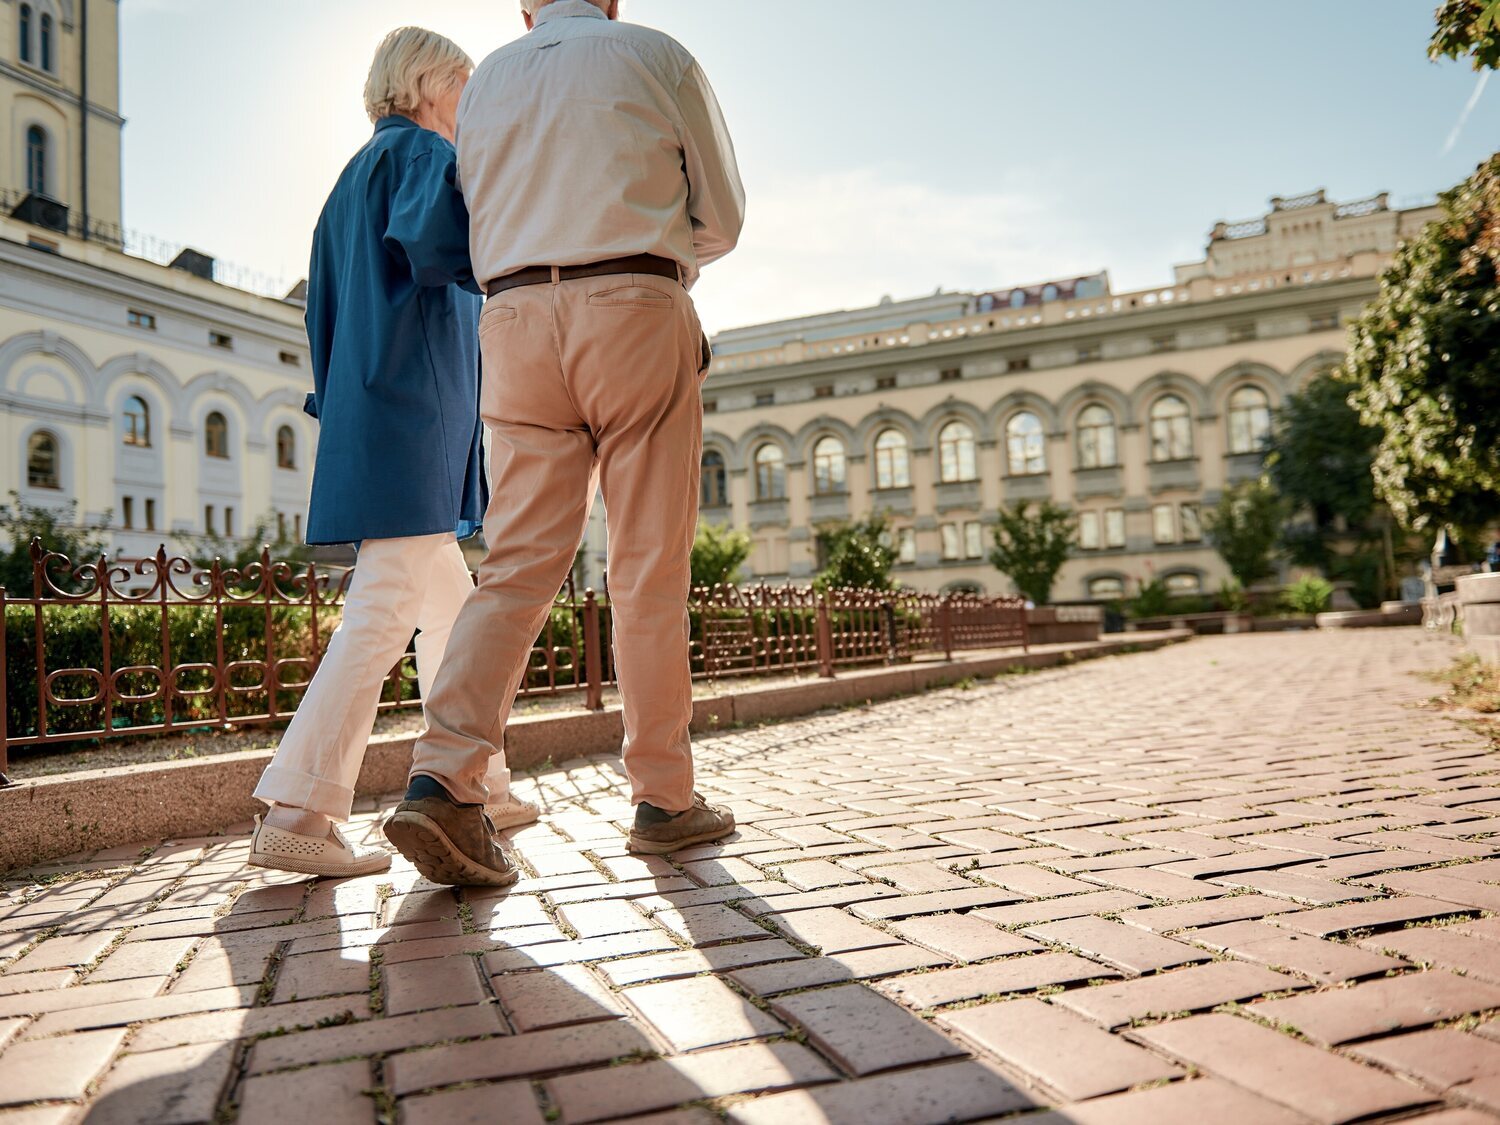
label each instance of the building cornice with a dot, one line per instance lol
(94, 279)
(35, 81)
(1030, 339)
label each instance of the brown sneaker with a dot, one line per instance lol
(450, 844)
(701, 824)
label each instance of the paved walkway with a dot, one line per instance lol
(1239, 880)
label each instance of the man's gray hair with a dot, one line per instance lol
(411, 66)
(532, 7)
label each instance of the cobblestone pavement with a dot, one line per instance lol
(1238, 880)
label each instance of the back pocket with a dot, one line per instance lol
(632, 297)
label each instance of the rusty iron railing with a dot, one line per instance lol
(104, 649)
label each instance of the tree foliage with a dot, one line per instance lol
(1245, 528)
(1031, 549)
(58, 530)
(1467, 28)
(1422, 362)
(1320, 454)
(857, 555)
(719, 552)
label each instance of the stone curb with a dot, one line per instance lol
(94, 809)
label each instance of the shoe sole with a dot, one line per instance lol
(422, 840)
(634, 843)
(373, 866)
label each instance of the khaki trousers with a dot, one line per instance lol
(589, 382)
(420, 582)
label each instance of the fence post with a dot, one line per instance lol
(4, 711)
(825, 639)
(945, 627)
(593, 662)
(1025, 628)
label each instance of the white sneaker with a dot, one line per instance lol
(511, 812)
(281, 850)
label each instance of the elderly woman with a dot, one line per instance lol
(392, 320)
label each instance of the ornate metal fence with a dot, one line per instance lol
(104, 649)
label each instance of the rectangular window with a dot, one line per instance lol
(208, 518)
(150, 514)
(885, 382)
(765, 398)
(137, 319)
(952, 546)
(1167, 343)
(47, 246)
(906, 545)
(1088, 531)
(1192, 524)
(221, 340)
(974, 540)
(1114, 527)
(1018, 363)
(950, 375)
(1323, 322)
(823, 390)
(281, 527)
(1090, 353)
(710, 406)
(291, 359)
(297, 527)
(1164, 523)
(1241, 332)
(229, 521)
(127, 512)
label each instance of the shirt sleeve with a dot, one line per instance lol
(716, 197)
(428, 227)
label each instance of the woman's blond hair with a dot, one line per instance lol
(412, 65)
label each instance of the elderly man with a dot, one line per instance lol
(600, 178)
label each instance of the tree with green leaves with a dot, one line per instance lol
(1031, 549)
(59, 531)
(1467, 28)
(1245, 528)
(1422, 363)
(857, 555)
(718, 554)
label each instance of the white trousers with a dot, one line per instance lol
(399, 585)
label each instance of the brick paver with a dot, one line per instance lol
(1242, 881)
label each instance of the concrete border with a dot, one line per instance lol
(66, 814)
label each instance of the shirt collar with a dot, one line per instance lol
(565, 9)
(395, 121)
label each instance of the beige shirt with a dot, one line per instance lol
(589, 139)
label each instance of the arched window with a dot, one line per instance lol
(286, 448)
(1097, 448)
(24, 33)
(956, 457)
(216, 436)
(1184, 584)
(1171, 429)
(713, 483)
(892, 460)
(1249, 420)
(828, 466)
(1025, 445)
(36, 160)
(770, 473)
(1106, 589)
(1017, 298)
(41, 461)
(46, 41)
(137, 422)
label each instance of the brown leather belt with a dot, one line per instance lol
(542, 275)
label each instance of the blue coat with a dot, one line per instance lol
(395, 347)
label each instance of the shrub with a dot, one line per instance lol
(1307, 595)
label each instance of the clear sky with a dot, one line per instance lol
(888, 146)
